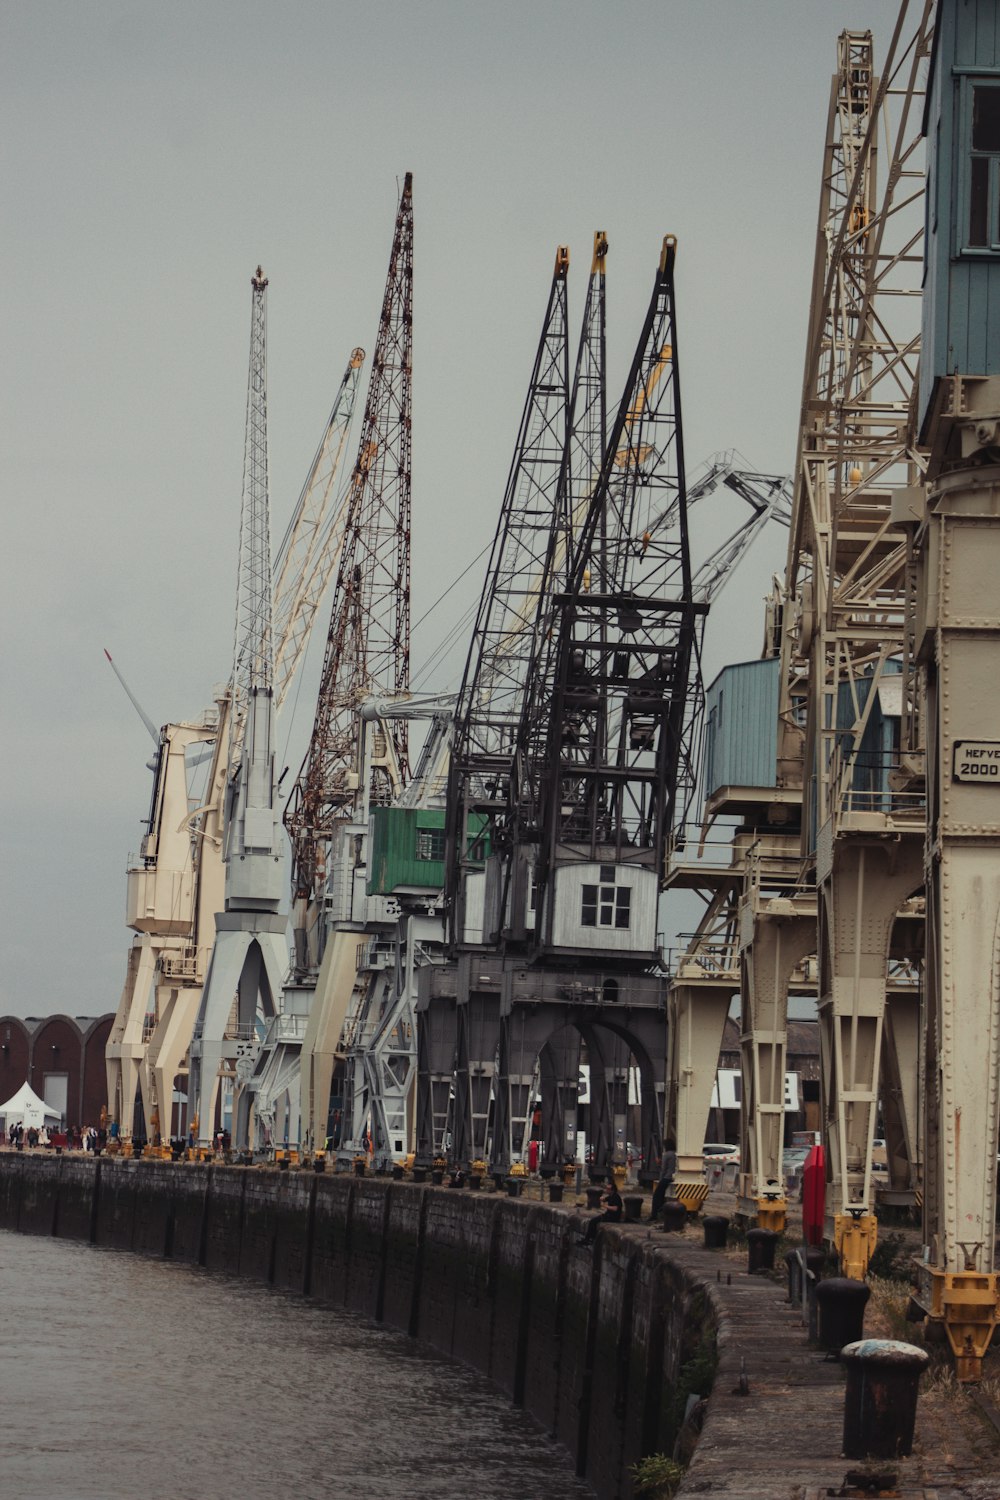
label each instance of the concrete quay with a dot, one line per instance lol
(601, 1345)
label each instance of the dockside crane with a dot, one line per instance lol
(352, 765)
(822, 893)
(558, 447)
(606, 765)
(176, 885)
(248, 958)
(842, 641)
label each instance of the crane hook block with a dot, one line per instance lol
(562, 262)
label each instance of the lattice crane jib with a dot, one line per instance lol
(310, 550)
(608, 729)
(534, 506)
(368, 643)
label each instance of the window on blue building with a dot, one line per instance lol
(983, 184)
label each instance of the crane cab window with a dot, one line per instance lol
(607, 904)
(982, 186)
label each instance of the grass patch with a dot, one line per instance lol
(657, 1476)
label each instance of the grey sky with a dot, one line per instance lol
(152, 154)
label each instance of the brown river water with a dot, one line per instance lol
(132, 1379)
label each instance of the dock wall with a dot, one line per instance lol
(594, 1343)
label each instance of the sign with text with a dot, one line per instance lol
(977, 761)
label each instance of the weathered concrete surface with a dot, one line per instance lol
(589, 1340)
(600, 1344)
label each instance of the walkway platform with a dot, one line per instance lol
(782, 1440)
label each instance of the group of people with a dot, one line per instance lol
(33, 1136)
(77, 1138)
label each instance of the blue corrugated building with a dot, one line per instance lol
(961, 315)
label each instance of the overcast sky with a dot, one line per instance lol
(152, 154)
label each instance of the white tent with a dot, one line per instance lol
(27, 1109)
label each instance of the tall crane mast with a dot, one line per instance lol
(248, 959)
(352, 765)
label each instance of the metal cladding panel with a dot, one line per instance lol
(741, 726)
(568, 929)
(394, 841)
(961, 305)
(398, 835)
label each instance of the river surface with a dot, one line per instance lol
(132, 1379)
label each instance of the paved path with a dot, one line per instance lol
(782, 1441)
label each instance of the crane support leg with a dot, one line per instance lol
(477, 1020)
(778, 944)
(248, 962)
(322, 1042)
(126, 1048)
(863, 882)
(960, 642)
(698, 1011)
(436, 1044)
(560, 1080)
(901, 1093)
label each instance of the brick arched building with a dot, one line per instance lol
(62, 1058)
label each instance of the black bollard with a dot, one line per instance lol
(841, 1305)
(437, 1176)
(420, 1174)
(514, 1187)
(319, 1163)
(594, 1196)
(475, 1181)
(555, 1192)
(716, 1228)
(673, 1215)
(815, 1260)
(794, 1268)
(397, 1171)
(880, 1403)
(633, 1208)
(761, 1245)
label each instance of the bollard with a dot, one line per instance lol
(794, 1267)
(761, 1245)
(420, 1174)
(880, 1403)
(673, 1215)
(514, 1187)
(633, 1208)
(716, 1228)
(594, 1196)
(397, 1171)
(840, 1302)
(475, 1181)
(437, 1176)
(555, 1192)
(319, 1163)
(359, 1169)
